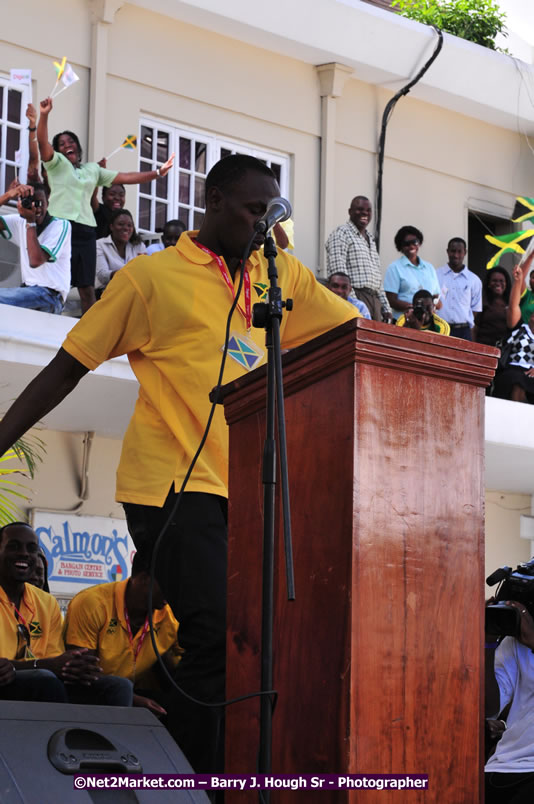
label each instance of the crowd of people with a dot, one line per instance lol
(496, 312)
(101, 654)
(168, 313)
(66, 237)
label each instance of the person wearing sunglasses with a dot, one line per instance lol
(409, 273)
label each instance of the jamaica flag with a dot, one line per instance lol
(523, 210)
(514, 242)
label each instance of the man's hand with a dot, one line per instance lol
(148, 703)
(76, 667)
(496, 728)
(410, 320)
(17, 190)
(7, 672)
(29, 215)
(46, 107)
(102, 162)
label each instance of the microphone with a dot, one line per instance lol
(278, 209)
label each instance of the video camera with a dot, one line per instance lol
(518, 584)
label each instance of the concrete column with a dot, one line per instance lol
(102, 16)
(332, 79)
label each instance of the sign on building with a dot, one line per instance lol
(83, 550)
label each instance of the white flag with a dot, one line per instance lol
(20, 76)
(69, 76)
(18, 158)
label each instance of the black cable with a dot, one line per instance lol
(388, 111)
(215, 402)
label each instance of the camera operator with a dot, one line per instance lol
(44, 248)
(422, 315)
(509, 773)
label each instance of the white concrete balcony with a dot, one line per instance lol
(105, 398)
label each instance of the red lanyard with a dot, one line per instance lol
(18, 616)
(136, 650)
(247, 312)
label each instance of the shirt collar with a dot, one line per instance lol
(449, 270)
(403, 259)
(355, 228)
(187, 247)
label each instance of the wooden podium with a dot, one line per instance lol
(379, 661)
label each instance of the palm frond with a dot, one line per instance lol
(29, 451)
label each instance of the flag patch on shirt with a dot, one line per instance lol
(35, 629)
(244, 351)
(112, 625)
(261, 289)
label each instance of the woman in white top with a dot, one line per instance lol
(112, 252)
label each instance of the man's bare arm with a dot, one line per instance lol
(41, 396)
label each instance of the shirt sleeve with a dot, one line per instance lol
(435, 290)
(82, 625)
(476, 297)
(117, 325)
(103, 270)
(391, 279)
(336, 253)
(315, 308)
(12, 229)
(55, 238)
(105, 176)
(58, 163)
(506, 670)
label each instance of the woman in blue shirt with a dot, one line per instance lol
(409, 273)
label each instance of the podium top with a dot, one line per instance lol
(361, 341)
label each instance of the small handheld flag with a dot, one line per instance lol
(130, 143)
(60, 68)
(528, 252)
(523, 210)
(514, 242)
(68, 78)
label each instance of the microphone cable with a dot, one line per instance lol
(215, 401)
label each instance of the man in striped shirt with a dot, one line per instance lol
(351, 250)
(44, 247)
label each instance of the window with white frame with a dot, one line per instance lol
(181, 193)
(13, 130)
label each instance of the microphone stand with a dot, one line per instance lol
(268, 315)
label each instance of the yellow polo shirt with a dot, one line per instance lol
(168, 313)
(95, 620)
(42, 618)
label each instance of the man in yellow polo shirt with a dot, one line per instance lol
(111, 621)
(168, 313)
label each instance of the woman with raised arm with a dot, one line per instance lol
(72, 184)
(521, 304)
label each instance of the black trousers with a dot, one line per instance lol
(509, 788)
(191, 571)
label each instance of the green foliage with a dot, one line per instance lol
(478, 21)
(29, 450)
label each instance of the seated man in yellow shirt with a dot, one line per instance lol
(422, 315)
(111, 621)
(34, 664)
